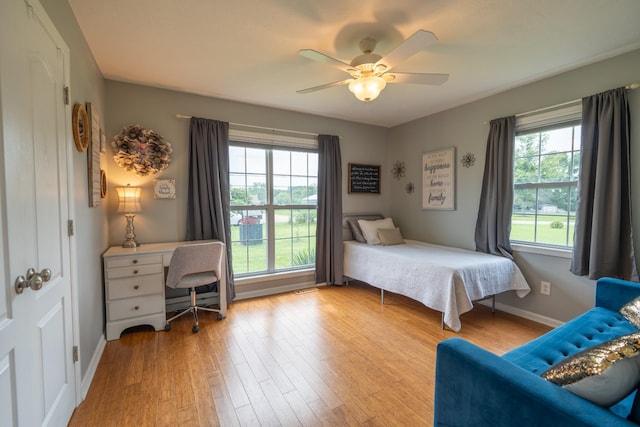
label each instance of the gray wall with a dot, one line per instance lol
(465, 128)
(165, 219)
(87, 85)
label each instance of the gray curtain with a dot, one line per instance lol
(496, 200)
(329, 222)
(208, 199)
(603, 240)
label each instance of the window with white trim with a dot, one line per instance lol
(546, 168)
(273, 186)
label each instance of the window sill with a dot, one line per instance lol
(554, 252)
(274, 276)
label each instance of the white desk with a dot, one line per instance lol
(134, 286)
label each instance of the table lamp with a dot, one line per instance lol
(129, 204)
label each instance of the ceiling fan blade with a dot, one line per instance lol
(325, 86)
(321, 57)
(418, 78)
(418, 41)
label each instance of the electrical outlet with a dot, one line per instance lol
(545, 288)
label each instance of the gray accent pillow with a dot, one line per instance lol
(390, 236)
(370, 229)
(356, 231)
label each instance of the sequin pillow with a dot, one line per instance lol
(603, 374)
(631, 312)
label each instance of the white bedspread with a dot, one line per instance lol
(442, 278)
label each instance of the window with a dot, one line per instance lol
(546, 168)
(273, 207)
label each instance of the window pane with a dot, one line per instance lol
(525, 170)
(575, 171)
(313, 164)
(552, 219)
(558, 140)
(257, 189)
(248, 241)
(299, 163)
(281, 162)
(312, 192)
(256, 160)
(555, 167)
(295, 238)
(238, 189)
(237, 159)
(298, 190)
(523, 219)
(281, 190)
(527, 145)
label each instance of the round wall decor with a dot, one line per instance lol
(81, 127)
(141, 150)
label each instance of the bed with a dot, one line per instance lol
(442, 278)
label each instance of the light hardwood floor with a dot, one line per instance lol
(333, 357)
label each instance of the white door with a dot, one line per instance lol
(37, 379)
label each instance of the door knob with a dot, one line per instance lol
(34, 280)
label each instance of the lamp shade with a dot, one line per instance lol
(367, 88)
(129, 199)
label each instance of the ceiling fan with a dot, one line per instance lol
(370, 72)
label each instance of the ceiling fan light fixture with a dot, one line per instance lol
(367, 88)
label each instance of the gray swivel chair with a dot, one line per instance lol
(194, 265)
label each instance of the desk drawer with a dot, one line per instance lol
(133, 271)
(134, 286)
(134, 307)
(132, 260)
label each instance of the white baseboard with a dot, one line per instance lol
(274, 290)
(93, 366)
(529, 315)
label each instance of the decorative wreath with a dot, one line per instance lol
(141, 150)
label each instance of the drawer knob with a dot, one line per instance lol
(136, 287)
(135, 271)
(135, 261)
(136, 307)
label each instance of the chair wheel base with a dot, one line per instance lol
(195, 329)
(167, 327)
(220, 316)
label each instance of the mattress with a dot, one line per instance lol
(442, 278)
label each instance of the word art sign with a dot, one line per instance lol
(439, 179)
(364, 178)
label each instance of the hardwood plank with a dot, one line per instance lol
(330, 357)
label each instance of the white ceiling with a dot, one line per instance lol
(246, 50)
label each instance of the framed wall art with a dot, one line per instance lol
(364, 178)
(164, 188)
(439, 179)
(93, 154)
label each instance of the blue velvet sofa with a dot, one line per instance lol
(477, 388)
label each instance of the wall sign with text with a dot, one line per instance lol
(364, 178)
(439, 179)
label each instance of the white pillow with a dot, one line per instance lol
(370, 229)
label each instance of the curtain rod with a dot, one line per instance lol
(182, 116)
(631, 86)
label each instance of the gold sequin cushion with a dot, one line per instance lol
(631, 312)
(603, 374)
